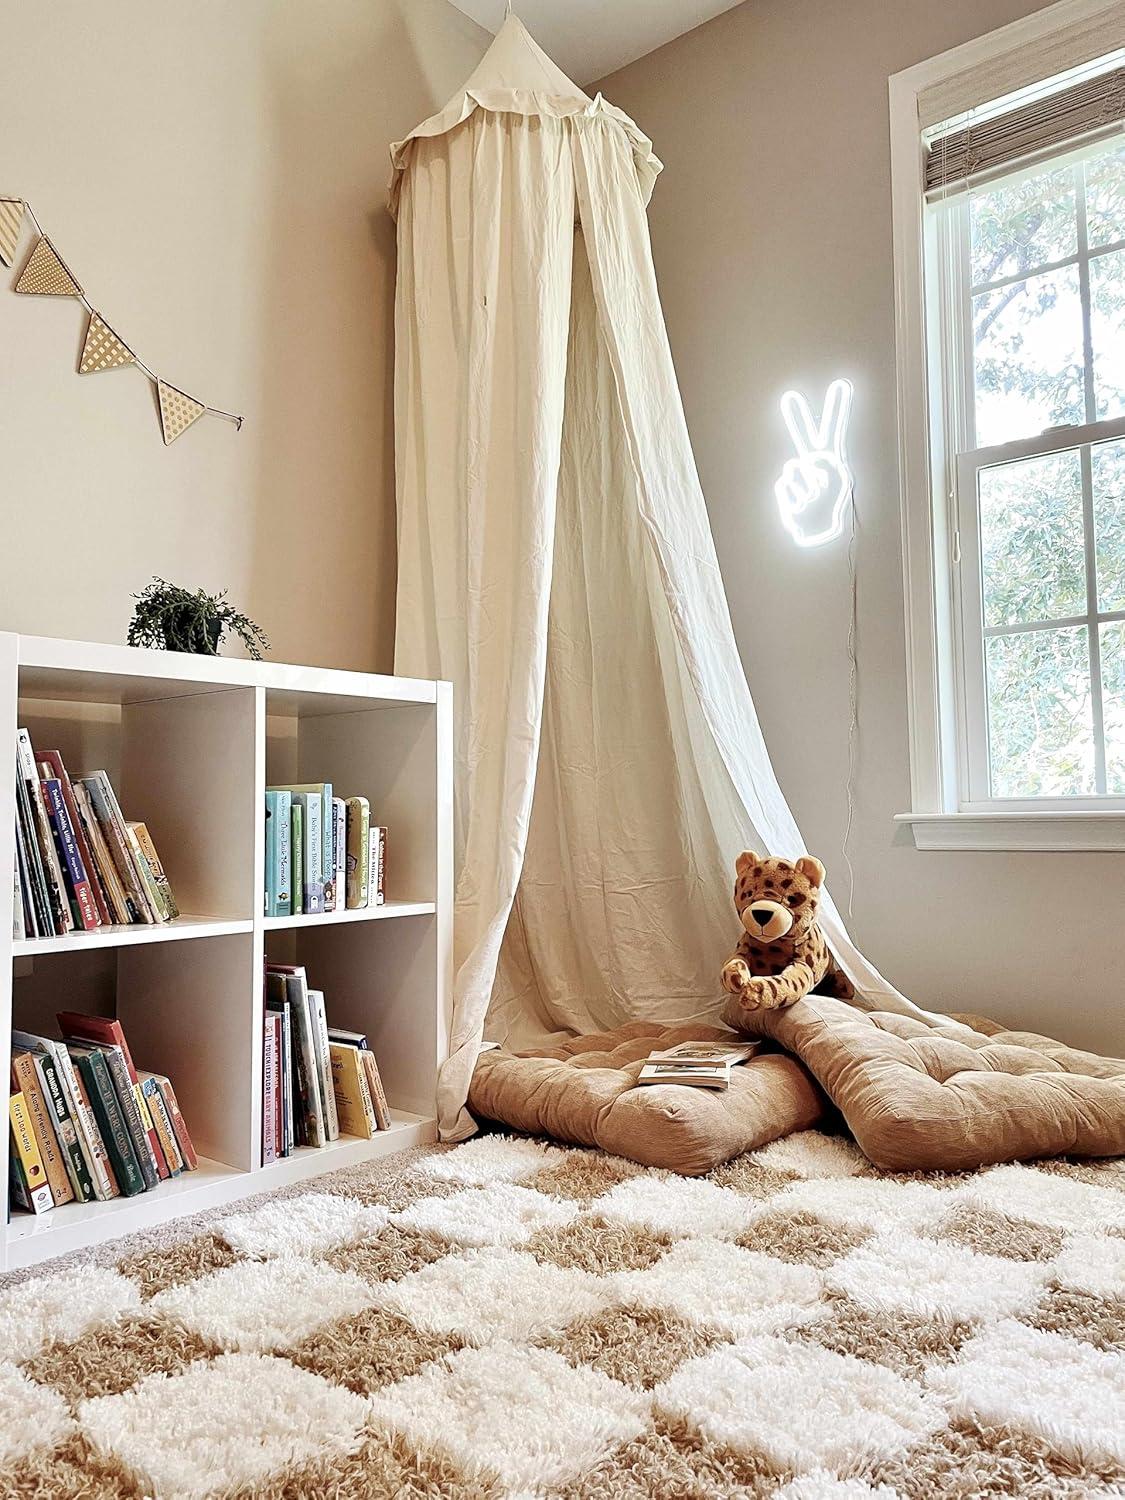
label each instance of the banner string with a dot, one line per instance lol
(213, 411)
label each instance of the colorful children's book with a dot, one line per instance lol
(26, 1081)
(279, 809)
(340, 851)
(353, 1097)
(141, 839)
(358, 851)
(93, 1070)
(29, 1183)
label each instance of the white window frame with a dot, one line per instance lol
(947, 808)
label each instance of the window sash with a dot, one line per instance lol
(957, 464)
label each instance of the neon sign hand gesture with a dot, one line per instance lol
(814, 489)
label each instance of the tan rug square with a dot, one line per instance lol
(583, 1176)
(110, 1359)
(800, 1237)
(394, 1254)
(636, 1345)
(903, 1342)
(593, 1244)
(742, 1175)
(73, 1471)
(393, 1194)
(369, 1350)
(991, 1232)
(1096, 1320)
(982, 1462)
(155, 1271)
(381, 1468)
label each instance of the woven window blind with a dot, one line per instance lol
(1068, 116)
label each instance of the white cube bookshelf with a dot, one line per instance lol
(191, 744)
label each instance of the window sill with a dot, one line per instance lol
(1042, 832)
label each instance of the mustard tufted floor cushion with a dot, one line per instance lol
(585, 1092)
(949, 1096)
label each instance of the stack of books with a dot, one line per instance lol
(318, 1082)
(322, 852)
(79, 864)
(704, 1065)
(86, 1125)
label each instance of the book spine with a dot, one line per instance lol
(114, 835)
(116, 899)
(67, 846)
(94, 1073)
(269, 905)
(52, 870)
(327, 856)
(375, 1087)
(33, 858)
(179, 1124)
(134, 1120)
(319, 1018)
(377, 879)
(25, 1079)
(85, 853)
(288, 1117)
(26, 1153)
(153, 894)
(33, 1200)
(359, 858)
(353, 1101)
(313, 880)
(340, 851)
(308, 1081)
(279, 817)
(23, 920)
(159, 874)
(118, 819)
(65, 1129)
(86, 1126)
(297, 857)
(162, 1123)
(269, 1090)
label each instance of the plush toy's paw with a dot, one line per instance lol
(760, 994)
(736, 976)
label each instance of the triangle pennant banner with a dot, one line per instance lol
(11, 222)
(103, 350)
(45, 275)
(177, 411)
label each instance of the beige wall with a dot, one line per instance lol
(215, 175)
(772, 237)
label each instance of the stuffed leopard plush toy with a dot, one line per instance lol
(781, 955)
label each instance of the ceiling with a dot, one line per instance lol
(590, 38)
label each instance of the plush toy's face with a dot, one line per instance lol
(776, 899)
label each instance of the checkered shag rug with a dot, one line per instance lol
(511, 1319)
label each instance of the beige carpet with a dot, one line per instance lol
(505, 1318)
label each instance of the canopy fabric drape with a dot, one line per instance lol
(556, 563)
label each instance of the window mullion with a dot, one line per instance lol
(1093, 632)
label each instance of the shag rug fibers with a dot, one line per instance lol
(507, 1318)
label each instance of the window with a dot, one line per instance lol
(1008, 185)
(1030, 338)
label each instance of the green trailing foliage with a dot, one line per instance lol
(171, 618)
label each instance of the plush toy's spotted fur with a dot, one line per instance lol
(781, 954)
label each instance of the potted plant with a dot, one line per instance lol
(175, 619)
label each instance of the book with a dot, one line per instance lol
(705, 1054)
(358, 851)
(312, 850)
(375, 1089)
(296, 857)
(61, 919)
(65, 1129)
(162, 1124)
(278, 1004)
(93, 1070)
(138, 1122)
(53, 759)
(107, 1031)
(78, 1106)
(323, 791)
(32, 861)
(179, 1124)
(152, 892)
(37, 1196)
(120, 908)
(340, 851)
(353, 1097)
(112, 825)
(23, 915)
(279, 819)
(26, 1081)
(83, 906)
(308, 1104)
(377, 866)
(319, 1019)
(143, 839)
(271, 1096)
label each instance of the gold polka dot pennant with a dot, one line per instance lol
(103, 350)
(177, 411)
(11, 222)
(45, 274)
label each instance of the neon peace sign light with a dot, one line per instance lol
(815, 488)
